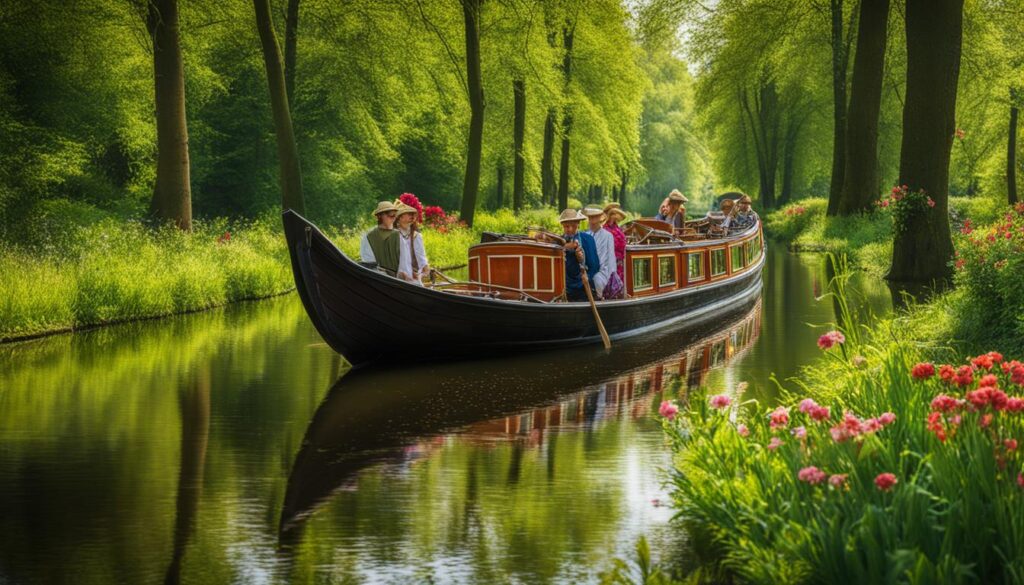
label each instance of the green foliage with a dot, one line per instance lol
(990, 269)
(954, 515)
(73, 272)
(866, 239)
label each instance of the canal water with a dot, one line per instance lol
(233, 446)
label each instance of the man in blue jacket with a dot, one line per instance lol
(580, 248)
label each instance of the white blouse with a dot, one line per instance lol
(606, 256)
(405, 255)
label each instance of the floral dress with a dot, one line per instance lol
(616, 287)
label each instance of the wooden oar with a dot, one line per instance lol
(593, 304)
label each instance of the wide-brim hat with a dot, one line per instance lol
(402, 208)
(677, 196)
(744, 199)
(614, 209)
(384, 207)
(592, 211)
(727, 203)
(570, 215)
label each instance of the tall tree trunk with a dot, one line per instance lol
(840, 63)
(471, 184)
(499, 189)
(291, 31)
(563, 172)
(622, 189)
(764, 122)
(287, 152)
(172, 193)
(860, 180)
(547, 161)
(921, 252)
(518, 135)
(792, 136)
(1011, 155)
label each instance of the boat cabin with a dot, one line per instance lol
(658, 260)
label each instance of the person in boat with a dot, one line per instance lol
(580, 248)
(379, 246)
(605, 243)
(723, 217)
(743, 216)
(412, 256)
(614, 214)
(675, 214)
(663, 208)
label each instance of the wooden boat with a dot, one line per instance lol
(374, 415)
(513, 301)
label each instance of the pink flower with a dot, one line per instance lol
(887, 418)
(774, 444)
(779, 418)
(988, 380)
(743, 430)
(1020, 480)
(799, 432)
(720, 401)
(830, 339)
(807, 405)
(668, 409)
(1010, 444)
(885, 481)
(923, 371)
(811, 475)
(837, 480)
(1014, 404)
(820, 413)
(944, 403)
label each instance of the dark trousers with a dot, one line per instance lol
(578, 294)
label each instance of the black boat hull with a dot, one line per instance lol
(367, 316)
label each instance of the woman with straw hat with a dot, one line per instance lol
(579, 249)
(676, 212)
(412, 257)
(743, 216)
(614, 214)
(379, 246)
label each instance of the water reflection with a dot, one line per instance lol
(384, 416)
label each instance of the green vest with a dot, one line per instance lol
(384, 244)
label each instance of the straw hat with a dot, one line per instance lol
(744, 199)
(402, 208)
(592, 211)
(727, 204)
(614, 209)
(675, 195)
(384, 207)
(570, 215)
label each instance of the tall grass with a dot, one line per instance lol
(804, 499)
(77, 267)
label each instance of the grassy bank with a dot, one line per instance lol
(865, 239)
(76, 267)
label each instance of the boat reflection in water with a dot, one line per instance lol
(379, 416)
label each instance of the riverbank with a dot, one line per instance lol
(893, 458)
(76, 267)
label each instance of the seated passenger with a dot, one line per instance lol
(675, 214)
(724, 217)
(580, 249)
(605, 242)
(412, 257)
(379, 246)
(614, 215)
(743, 215)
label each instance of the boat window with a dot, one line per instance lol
(641, 273)
(737, 257)
(695, 263)
(755, 248)
(718, 262)
(666, 270)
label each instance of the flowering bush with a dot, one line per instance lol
(436, 219)
(930, 487)
(989, 266)
(414, 202)
(795, 210)
(905, 204)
